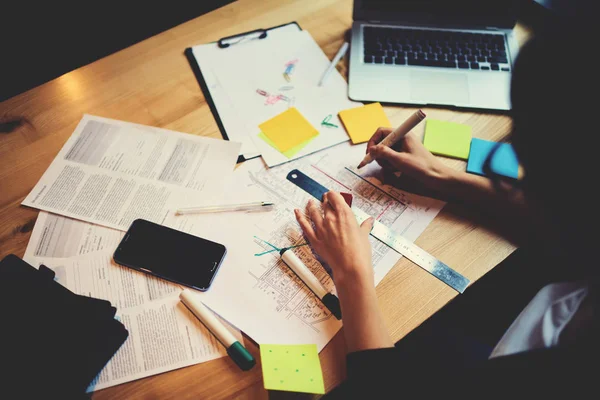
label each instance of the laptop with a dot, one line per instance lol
(457, 53)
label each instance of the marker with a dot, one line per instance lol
(328, 299)
(236, 351)
(255, 206)
(397, 134)
(334, 62)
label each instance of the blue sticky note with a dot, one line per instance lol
(504, 163)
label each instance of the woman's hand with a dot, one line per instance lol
(337, 238)
(416, 162)
(413, 159)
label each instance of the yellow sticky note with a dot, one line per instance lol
(448, 139)
(362, 122)
(291, 152)
(288, 129)
(293, 368)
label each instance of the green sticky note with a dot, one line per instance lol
(291, 152)
(293, 368)
(447, 138)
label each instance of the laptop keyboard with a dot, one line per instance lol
(435, 48)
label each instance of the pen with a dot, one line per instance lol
(236, 351)
(334, 62)
(328, 299)
(397, 134)
(257, 205)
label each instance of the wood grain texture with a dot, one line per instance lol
(151, 83)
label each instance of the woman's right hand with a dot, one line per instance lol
(413, 159)
(337, 238)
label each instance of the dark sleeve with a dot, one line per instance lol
(390, 373)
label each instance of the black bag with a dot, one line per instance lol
(53, 342)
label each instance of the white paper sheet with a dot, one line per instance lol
(57, 236)
(111, 172)
(163, 334)
(208, 56)
(234, 74)
(259, 294)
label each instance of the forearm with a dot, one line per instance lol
(480, 191)
(363, 323)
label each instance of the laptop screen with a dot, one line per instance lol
(459, 13)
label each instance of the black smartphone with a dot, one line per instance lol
(170, 254)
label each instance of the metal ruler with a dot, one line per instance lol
(387, 236)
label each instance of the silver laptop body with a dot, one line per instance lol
(469, 70)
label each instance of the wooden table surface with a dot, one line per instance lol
(152, 83)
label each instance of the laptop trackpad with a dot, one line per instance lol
(439, 87)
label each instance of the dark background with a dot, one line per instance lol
(40, 42)
(43, 40)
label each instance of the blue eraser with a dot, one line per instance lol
(504, 163)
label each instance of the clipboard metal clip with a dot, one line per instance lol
(242, 37)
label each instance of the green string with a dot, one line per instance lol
(275, 248)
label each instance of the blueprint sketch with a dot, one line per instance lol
(260, 294)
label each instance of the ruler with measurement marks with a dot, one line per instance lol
(387, 236)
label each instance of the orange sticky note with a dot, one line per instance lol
(288, 129)
(362, 122)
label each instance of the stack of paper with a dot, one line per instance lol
(110, 173)
(267, 301)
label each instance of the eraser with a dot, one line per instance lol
(347, 197)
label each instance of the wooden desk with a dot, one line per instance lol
(151, 83)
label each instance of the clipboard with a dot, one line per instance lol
(224, 44)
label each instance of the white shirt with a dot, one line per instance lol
(540, 324)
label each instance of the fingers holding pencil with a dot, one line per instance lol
(411, 158)
(380, 134)
(391, 138)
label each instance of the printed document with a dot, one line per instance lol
(112, 172)
(163, 334)
(61, 237)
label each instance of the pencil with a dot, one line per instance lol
(334, 62)
(397, 134)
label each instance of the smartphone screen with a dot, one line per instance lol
(170, 254)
